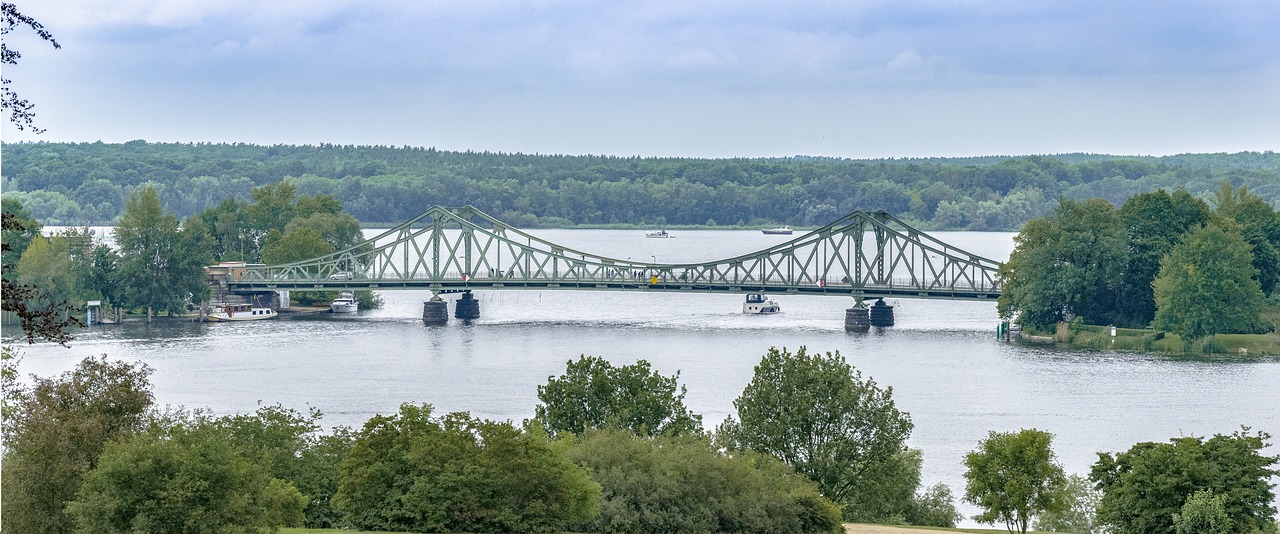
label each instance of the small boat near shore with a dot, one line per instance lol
(238, 312)
(660, 234)
(781, 230)
(345, 303)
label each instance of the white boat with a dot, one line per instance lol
(345, 303)
(661, 234)
(757, 304)
(239, 312)
(781, 230)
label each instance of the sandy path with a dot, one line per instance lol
(858, 528)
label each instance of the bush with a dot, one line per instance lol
(935, 507)
(188, 477)
(684, 484)
(1203, 513)
(414, 472)
(1144, 487)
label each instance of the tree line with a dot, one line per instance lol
(157, 262)
(609, 449)
(83, 183)
(1162, 260)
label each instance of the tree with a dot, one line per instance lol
(934, 507)
(184, 477)
(1206, 285)
(297, 245)
(161, 263)
(1260, 226)
(1013, 477)
(1145, 487)
(1203, 513)
(414, 472)
(816, 414)
(685, 484)
(40, 316)
(55, 433)
(21, 112)
(1079, 516)
(1065, 265)
(592, 393)
(1154, 222)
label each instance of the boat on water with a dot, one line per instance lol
(239, 312)
(757, 304)
(781, 230)
(345, 303)
(661, 234)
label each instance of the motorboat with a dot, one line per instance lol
(345, 303)
(757, 304)
(239, 312)
(781, 230)
(661, 234)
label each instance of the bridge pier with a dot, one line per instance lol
(881, 314)
(856, 319)
(435, 311)
(467, 307)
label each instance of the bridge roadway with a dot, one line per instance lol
(449, 250)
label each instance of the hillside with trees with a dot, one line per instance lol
(89, 183)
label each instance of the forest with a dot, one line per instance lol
(90, 183)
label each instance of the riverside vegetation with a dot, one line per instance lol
(610, 449)
(1163, 262)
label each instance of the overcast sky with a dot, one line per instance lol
(877, 78)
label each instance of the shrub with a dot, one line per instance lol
(684, 484)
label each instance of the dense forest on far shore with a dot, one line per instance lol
(89, 183)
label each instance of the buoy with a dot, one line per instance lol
(881, 314)
(467, 307)
(435, 311)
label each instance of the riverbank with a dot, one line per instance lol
(1146, 340)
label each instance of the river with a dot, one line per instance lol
(942, 359)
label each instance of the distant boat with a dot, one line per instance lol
(239, 312)
(345, 303)
(661, 234)
(781, 230)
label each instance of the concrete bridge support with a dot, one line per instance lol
(467, 307)
(435, 311)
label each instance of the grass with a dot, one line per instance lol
(1099, 337)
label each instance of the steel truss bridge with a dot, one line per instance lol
(449, 250)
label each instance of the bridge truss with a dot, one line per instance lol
(865, 255)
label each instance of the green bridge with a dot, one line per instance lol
(449, 250)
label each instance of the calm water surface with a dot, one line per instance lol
(942, 360)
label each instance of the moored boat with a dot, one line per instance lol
(757, 304)
(781, 230)
(345, 303)
(661, 234)
(239, 312)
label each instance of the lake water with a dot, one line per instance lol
(942, 359)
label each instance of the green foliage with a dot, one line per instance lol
(1065, 265)
(592, 393)
(934, 507)
(684, 484)
(185, 477)
(393, 184)
(1206, 286)
(1144, 487)
(418, 473)
(288, 445)
(55, 432)
(296, 245)
(1260, 226)
(1203, 513)
(41, 316)
(1154, 222)
(1013, 477)
(19, 229)
(161, 263)
(1079, 516)
(887, 492)
(816, 414)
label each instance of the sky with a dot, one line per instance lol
(850, 78)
